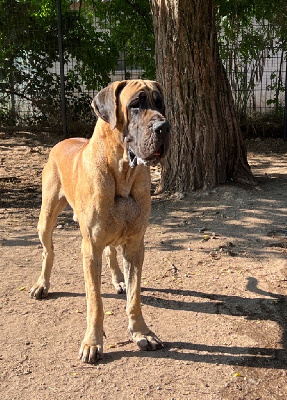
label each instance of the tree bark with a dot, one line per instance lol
(206, 147)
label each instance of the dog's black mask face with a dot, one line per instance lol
(136, 108)
(147, 132)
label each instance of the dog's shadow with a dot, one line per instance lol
(58, 295)
(270, 306)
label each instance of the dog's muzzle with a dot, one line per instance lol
(161, 132)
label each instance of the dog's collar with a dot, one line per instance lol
(135, 160)
(132, 158)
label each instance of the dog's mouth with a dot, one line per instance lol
(151, 160)
(159, 152)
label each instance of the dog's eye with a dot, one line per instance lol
(135, 103)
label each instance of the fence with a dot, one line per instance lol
(66, 54)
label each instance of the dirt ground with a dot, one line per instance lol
(213, 289)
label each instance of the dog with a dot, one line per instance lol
(106, 180)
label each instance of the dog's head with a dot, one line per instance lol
(136, 108)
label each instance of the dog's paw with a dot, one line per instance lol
(146, 342)
(91, 353)
(120, 287)
(39, 291)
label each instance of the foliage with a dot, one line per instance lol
(123, 31)
(130, 27)
(29, 53)
(250, 32)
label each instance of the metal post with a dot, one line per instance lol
(285, 108)
(13, 101)
(62, 73)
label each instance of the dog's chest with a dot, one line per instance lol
(128, 218)
(126, 209)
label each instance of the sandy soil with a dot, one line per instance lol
(214, 290)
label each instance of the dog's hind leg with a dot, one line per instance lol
(52, 206)
(117, 276)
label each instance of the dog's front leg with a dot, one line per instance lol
(92, 346)
(133, 254)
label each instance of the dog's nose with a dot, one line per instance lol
(161, 128)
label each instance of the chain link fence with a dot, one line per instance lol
(96, 47)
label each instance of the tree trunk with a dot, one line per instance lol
(206, 147)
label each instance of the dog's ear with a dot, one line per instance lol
(105, 103)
